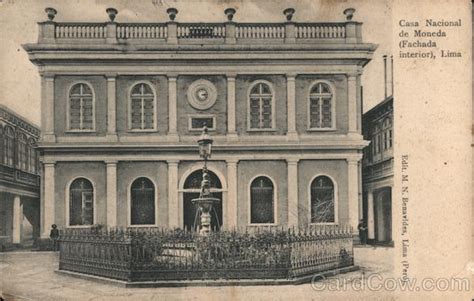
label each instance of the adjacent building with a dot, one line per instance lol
(19, 180)
(378, 172)
(123, 105)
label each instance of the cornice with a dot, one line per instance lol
(18, 122)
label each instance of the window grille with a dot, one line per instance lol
(81, 108)
(81, 202)
(142, 202)
(322, 200)
(142, 107)
(261, 111)
(262, 201)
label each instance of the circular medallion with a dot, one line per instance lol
(202, 94)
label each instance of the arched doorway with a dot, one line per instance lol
(191, 189)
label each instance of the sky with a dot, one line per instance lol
(20, 87)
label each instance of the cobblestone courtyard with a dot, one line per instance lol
(31, 276)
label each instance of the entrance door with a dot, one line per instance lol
(383, 216)
(191, 191)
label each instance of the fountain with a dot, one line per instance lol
(205, 202)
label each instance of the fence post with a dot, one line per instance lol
(230, 33)
(172, 37)
(111, 33)
(47, 32)
(351, 31)
(230, 26)
(290, 33)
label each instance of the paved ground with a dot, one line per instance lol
(31, 276)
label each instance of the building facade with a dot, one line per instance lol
(19, 180)
(378, 172)
(124, 104)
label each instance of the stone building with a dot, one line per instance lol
(123, 105)
(19, 180)
(378, 172)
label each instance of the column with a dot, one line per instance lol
(231, 133)
(172, 109)
(111, 193)
(353, 193)
(48, 94)
(111, 108)
(173, 206)
(49, 198)
(370, 215)
(361, 196)
(292, 192)
(17, 219)
(352, 102)
(291, 106)
(231, 221)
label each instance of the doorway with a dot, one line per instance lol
(383, 216)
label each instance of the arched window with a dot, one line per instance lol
(32, 155)
(262, 201)
(260, 106)
(81, 202)
(321, 111)
(142, 107)
(9, 146)
(142, 205)
(322, 200)
(81, 107)
(22, 152)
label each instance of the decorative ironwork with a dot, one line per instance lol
(150, 254)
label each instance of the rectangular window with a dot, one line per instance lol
(254, 113)
(75, 114)
(315, 113)
(87, 114)
(136, 114)
(148, 114)
(326, 112)
(196, 123)
(390, 138)
(267, 113)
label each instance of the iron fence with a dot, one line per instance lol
(139, 254)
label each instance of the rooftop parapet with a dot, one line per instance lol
(173, 32)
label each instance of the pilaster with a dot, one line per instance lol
(111, 193)
(111, 108)
(17, 219)
(49, 198)
(172, 110)
(48, 94)
(231, 133)
(353, 192)
(370, 215)
(352, 103)
(291, 106)
(292, 192)
(231, 221)
(173, 206)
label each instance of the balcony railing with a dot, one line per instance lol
(176, 33)
(201, 31)
(173, 32)
(378, 170)
(141, 31)
(11, 174)
(80, 31)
